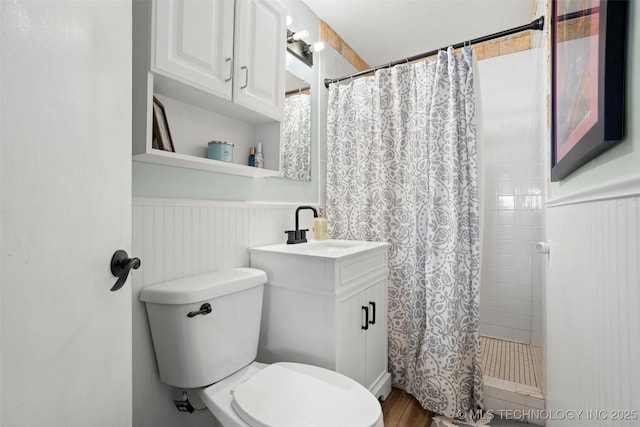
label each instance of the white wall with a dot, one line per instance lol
(512, 196)
(181, 238)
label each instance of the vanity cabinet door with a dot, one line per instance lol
(193, 43)
(376, 336)
(260, 47)
(363, 326)
(353, 318)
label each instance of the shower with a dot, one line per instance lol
(512, 196)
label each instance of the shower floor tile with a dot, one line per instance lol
(510, 381)
(508, 361)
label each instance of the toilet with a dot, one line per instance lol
(205, 332)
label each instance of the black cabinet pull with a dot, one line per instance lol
(373, 306)
(366, 317)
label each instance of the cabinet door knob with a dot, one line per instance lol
(373, 312)
(366, 317)
(246, 76)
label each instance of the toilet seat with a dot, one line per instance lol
(299, 395)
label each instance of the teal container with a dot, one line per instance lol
(220, 150)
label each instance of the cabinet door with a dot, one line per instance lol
(362, 328)
(376, 342)
(352, 318)
(194, 43)
(260, 45)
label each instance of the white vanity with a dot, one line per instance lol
(326, 304)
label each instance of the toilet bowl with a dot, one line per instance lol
(205, 333)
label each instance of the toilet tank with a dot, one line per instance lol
(195, 348)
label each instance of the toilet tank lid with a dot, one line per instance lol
(203, 287)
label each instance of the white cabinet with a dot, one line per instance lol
(193, 42)
(218, 68)
(327, 309)
(239, 57)
(260, 48)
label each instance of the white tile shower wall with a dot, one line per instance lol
(512, 197)
(331, 65)
(180, 238)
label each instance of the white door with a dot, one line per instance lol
(194, 43)
(65, 135)
(260, 46)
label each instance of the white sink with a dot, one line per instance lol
(329, 245)
(322, 248)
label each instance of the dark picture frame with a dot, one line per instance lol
(161, 139)
(588, 73)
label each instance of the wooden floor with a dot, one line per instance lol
(401, 409)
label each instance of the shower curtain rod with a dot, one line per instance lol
(302, 89)
(537, 25)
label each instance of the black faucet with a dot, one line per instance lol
(297, 235)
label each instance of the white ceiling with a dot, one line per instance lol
(381, 31)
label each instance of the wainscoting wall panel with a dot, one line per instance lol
(593, 316)
(189, 238)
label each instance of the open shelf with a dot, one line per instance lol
(160, 157)
(195, 113)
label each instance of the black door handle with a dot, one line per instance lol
(373, 306)
(366, 317)
(121, 265)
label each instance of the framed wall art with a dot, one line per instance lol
(161, 138)
(588, 74)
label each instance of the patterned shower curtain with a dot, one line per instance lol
(295, 141)
(401, 168)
